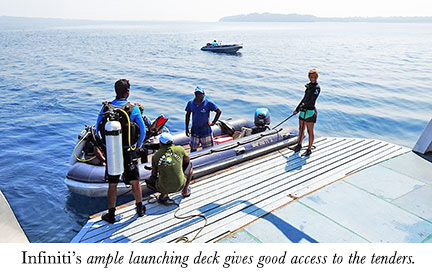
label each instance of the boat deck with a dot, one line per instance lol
(10, 229)
(330, 196)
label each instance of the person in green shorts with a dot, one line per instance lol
(171, 169)
(308, 112)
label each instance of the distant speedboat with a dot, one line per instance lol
(222, 48)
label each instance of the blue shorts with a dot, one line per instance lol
(207, 141)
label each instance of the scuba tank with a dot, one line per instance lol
(116, 118)
(114, 147)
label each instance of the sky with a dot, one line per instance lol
(202, 10)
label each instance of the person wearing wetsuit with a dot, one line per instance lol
(130, 161)
(308, 112)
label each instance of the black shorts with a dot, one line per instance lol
(131, 171)
(307, 118)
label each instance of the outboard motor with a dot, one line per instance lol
(114, 147)
(261, 121)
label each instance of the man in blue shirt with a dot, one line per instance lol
(130, 161)
(200, 108)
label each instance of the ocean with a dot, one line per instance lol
(375, 82)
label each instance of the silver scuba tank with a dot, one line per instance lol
(114, 147)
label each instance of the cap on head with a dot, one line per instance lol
(199, 90)
(166, 138)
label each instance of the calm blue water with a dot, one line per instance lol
(375, 79)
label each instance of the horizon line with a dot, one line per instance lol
(217, 21)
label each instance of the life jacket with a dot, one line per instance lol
(111, 112)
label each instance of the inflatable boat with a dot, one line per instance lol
(222, 48)
(236, 141)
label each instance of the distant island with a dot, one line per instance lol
(293, 17)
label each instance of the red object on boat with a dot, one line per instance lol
(220, 140)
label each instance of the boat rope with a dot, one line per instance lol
(183, 238)
(153, 199)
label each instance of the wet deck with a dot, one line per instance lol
(282, 197)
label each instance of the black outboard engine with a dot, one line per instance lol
(261, 121)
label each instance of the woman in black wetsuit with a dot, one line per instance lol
(308, 112)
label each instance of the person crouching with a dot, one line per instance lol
(171, 169)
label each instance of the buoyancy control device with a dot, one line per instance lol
(117, 132)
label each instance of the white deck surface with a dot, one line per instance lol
(10, 230)
(284, 197)
(388, 202)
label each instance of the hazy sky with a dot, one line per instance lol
(202, 10)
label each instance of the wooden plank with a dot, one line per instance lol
(262, 195)
(130, 229)
(209, 190)
(211, 193)
(101, 226)
(194, 195)
(387, 151)
(319, 182)
(268, 200)
(226, 199)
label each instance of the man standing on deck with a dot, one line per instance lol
(130, 160)
(201, 131)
